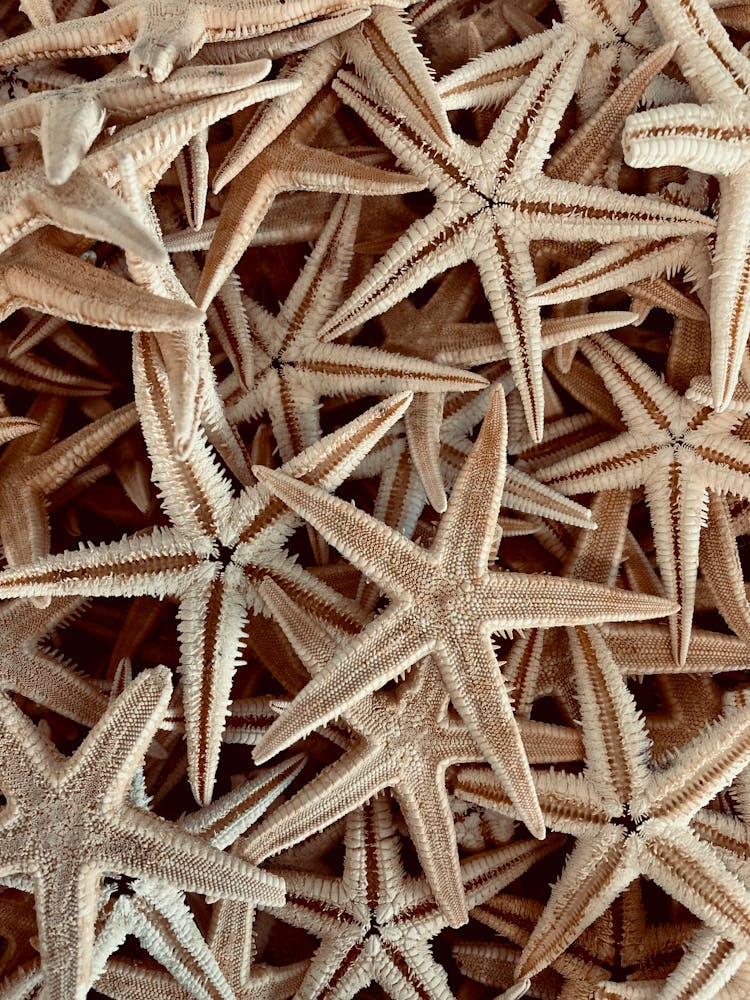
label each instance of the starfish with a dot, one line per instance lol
(33, 468)
(406, 742)
(80, 804)
(492, 201)
(288, 163)
(161, 33)
(217, 546)
(709, 137)
(677, 447)
(629, 818)
(68, 120)
(445, 602)
(376, 923)
(293, 365)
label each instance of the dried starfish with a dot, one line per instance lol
(89, 827)
(445, 602)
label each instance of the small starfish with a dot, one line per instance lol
(445, 602)
(293, 366)
(68, 821)
(711, 138)
(161, 33)
(492, 201)
(677, 447)
(288, 163)
(376, 923)
(629, 818)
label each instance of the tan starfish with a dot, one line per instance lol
(629, 818)
(447, 602)
(161, 33)
(80, 804)
(492, 201)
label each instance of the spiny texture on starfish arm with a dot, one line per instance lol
(374, 499)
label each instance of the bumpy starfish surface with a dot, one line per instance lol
(447, 602)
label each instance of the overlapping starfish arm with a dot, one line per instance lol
(90, 828)
(162, 33)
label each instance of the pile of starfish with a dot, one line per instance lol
(374, 499)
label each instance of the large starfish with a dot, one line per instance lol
(68, 821)
(447, 602)
(161, 33)
(629, 817)
(677, 447)
(217, 545)
(492, 201)
(711, 137)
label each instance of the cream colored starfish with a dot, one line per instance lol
(446, 602)
(492, 201)
(161, 33)
(712, 138)
(629, 818)
(678, 447)
(68, 821)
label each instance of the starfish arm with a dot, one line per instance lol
(707, 56)
(144, 846)
(409, 970)
(623, 462)
(646, 649)
(51, 681)
(471, 675)
(101, 34)
(708, 138)
(698, 770)
(623, 263)
(605, 215)
(86, 206)
(492, 76)
(422, 423)
(708, 965)
(192, 170)
(339, 789)
(66, 907)
(429, 247)
(423, 799)
(384, 650)
(381, 553)
(125, 979)
(503, 259)
(525, 494)
(466, 534)
(388, 58)
(26, 535)
(158, 564)
(722, 570)
(519, 601)
(691, 872)
(595, 873)
(38, 275)
(211, 624)
(614, 734)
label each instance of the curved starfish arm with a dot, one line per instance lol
(691, 872)
(339, 789)
(595, 873)
(38, 275)
(101, 34)
(472, 677)
(211, 624)
(519, 601)
(709, 964)
(706, 54)
(722, 570)
(387, 648)
(381, 553)
(707, 138)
